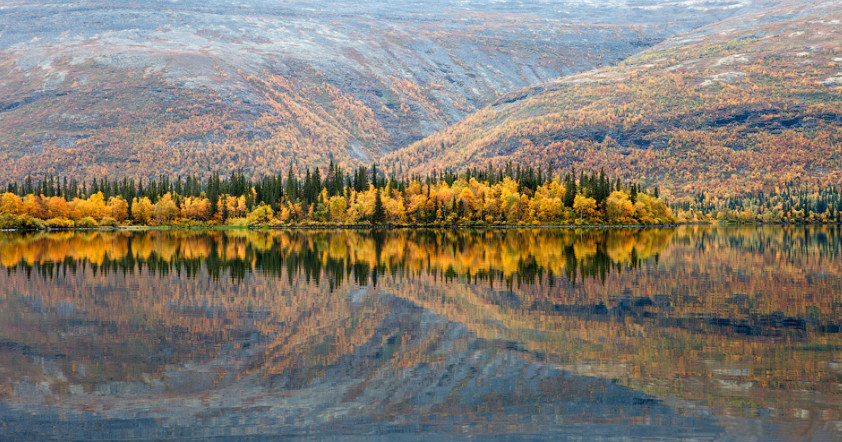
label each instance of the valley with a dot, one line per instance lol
(142, 89)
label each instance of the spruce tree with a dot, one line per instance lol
(379, 215)
(374, 175)
(213, 192)
(570, 190)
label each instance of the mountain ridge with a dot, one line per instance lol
(742, 105)
(149, 88)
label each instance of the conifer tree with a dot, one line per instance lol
(379, 215)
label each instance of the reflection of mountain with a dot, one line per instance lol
(462, 384)
(160, 293)
(735, 317)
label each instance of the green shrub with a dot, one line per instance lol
(21, 222)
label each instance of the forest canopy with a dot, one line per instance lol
(509, 195)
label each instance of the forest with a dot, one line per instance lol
(511, 195)
(494, 196)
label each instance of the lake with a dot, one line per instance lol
(700, 332)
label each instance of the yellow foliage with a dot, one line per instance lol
(584, 207)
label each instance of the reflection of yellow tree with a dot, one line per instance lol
(691, 343)
(666, 346)
(187, 315)
(462, 252)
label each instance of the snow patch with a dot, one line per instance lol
(725, 77)
(731, 60)
(682, 65)
(833, 81)
(825, 22)
(581, 81)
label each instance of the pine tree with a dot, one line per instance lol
(374, 175)
(291, 186)
(27, 186)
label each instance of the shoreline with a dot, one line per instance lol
(415, 226)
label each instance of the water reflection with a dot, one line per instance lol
(510, 256)
(697, 331)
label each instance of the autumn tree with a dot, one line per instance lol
(142, 210)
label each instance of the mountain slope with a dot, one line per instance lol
(92, 88)
(743, 104)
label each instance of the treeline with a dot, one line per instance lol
(507, 195)
(792, 202)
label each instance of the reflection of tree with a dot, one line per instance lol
(507, 256)
(721, 309)
(181, 294)
(667, 310)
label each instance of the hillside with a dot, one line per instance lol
(93, 88)
(748, 103)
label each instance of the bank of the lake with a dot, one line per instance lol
(195, 226)
(316, 226)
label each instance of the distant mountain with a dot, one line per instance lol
(744, 104)
(145, 87)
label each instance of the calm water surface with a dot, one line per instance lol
(697, 332)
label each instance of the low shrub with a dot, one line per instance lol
(108, 221)
(87, 222)
(21, 222)
(60, 223)
(238, 222)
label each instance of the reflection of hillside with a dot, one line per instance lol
(121, 328)
(729, 315)
(123, 296)
(732, 316)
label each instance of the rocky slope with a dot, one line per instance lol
(92, 88)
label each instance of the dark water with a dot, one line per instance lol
(691, 333)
